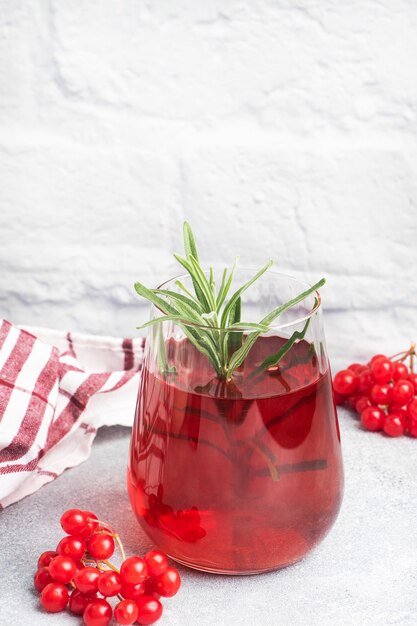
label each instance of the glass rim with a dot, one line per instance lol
(303, 318)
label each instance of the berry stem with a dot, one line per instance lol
(412, 352)
(108, 528)
(88, 560)
(402, 356)
(105, 527)
(102, 569)
(119, 543)
(111, 566)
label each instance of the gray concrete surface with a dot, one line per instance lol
(364, 573)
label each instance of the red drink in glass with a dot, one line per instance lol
(237, 477)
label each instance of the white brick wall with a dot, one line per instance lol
(283, 128)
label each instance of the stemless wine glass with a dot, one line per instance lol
(244, 475)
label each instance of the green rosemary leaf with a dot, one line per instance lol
(276, 312)
(198, 338)
(202, 342)
(163, 366)
(183, 313)
(213, 333)
(185, 290)
(185, 263)
(238, 293)
(234, 339)
(189, 241)
(274, 359)
(263, 328)
(236, 312)
(221, 289)
(161, 304)
(212, 283)
(225, 286)
(203, 283)
(165, 318)
(240, 355)
(198, 291)
(210, 319)
(191, 304)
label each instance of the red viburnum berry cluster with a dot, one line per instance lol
(78, 572)
(383, 392)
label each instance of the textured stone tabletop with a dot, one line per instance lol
(364, 573)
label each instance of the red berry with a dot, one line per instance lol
(402, 392)
(149, 588)
(132, 592)
(42, 578)
(46, 557)
(156, 562)
(345, 382)
(362, 403)
(381, 370)
(168, 583)
(365, 381)
(413, 380)
(73, 521)
(376, 357)
(401, 410)
(412, 426)
(412, 409)
(133, 570)
(357, 368)
(372, 418)
(100, 546)
(339, 400)
(381, 394)
(62, 569)
(352, 400)
(54, 597)
(91, 526)
(97, 613)
(149, 610)
(78, 601)
(400, 371)
(109, 583)
(86, 580)
(126, 612)
(393, 425)
(71, 546)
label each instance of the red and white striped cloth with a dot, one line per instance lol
(56, 390)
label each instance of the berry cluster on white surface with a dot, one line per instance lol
(79, 575)
(383, 392)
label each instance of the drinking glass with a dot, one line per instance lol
(245, 475)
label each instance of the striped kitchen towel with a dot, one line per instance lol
(56, 390)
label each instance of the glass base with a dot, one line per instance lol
(213, 570)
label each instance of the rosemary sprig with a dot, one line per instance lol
(211, 320)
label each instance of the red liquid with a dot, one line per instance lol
(236, 478)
